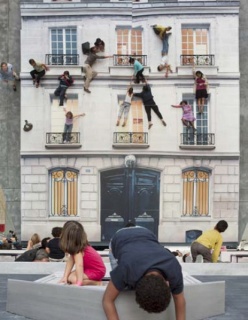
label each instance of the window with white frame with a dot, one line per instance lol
(63, 192)
(129, 40)
(64, 45)
(195, 44)
(196, 192)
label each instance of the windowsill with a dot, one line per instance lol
(196, 147)
(63, 146)
(63, 218)
(187, 70)
(130, 146)
(125, 70)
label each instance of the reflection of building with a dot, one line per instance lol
(181, 180)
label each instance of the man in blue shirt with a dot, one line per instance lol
(146, 267)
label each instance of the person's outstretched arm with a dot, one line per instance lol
(68, 268)
(108, 301)
(176, 106)
(79, 115)
(180, 306)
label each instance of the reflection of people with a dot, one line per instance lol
(163, 33)
(138, 70)
(201, 85)
(99, 44)
(125, 107)
(149, 104)
(208, 241)
(38, 72)
(89, 73)
(89, 267)
(146, 267)
(69, 118)
(65, 81)
(188, 116)
(7, 74)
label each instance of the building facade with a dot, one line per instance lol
(167, 178)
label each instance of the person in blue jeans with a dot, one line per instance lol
(65, 81)
(145, 266)
(138, 70)
(69, 118)
(163, 33)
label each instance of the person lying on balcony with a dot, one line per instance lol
(38, 72)
(163, 33)
(201, 86)
(69, 118)
(146, 267)
(209, 243)
(89, 73)
(146, 96)
(138, 70)
(125, 107)
(165, 65)
(188, 116)
(7, 74)
(65, 81)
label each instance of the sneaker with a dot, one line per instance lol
(87, 90)
(150, 125)
(117, 123)
(123, 125)
(14, 87)
(37, 85)
(34, 82)
(164, 123)
(199, 258)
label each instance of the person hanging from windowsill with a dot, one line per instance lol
(69, 119)
(125, 107)
(38, 72)
(65, 81)
(188, 116)
(201, 87)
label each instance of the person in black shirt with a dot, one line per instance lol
(146, 267)
(53, 248)
(65, 81)
(149, 104)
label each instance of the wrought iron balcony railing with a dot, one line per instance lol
(131, 137)
(197, 59)
(201, 139)
(62, 59)
(61, 137)
(123, 59)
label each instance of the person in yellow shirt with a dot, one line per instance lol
(209, 243)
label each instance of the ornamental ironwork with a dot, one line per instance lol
(197, 59)
(131, 137)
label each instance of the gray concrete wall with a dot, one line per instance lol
(243, 206)
(10, 115)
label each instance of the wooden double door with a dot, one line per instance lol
(129, 195)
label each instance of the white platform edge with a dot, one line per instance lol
(41, 301)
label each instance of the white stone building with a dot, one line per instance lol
(179, 179)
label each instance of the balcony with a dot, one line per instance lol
(197, 60)
(55, 140)
(123, 59)
(62, 59)
(192, 140)
(130, 140)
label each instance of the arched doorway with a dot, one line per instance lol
(129, 194)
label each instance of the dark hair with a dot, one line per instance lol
(44, 242)
(99, 42)
(31, 61)
(69, 115)
(159, 68)
(3, 63)
(221, 226)
(129, 224)
(56, 232)
(152, 293)
(66, 73)
(199, 73)
(183, 101)
(130, 90)
(41, 254)
(73, 238)
(131, 60)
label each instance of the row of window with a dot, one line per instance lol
(194, 41)
(64, 192)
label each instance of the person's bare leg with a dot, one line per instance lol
(86, 282)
